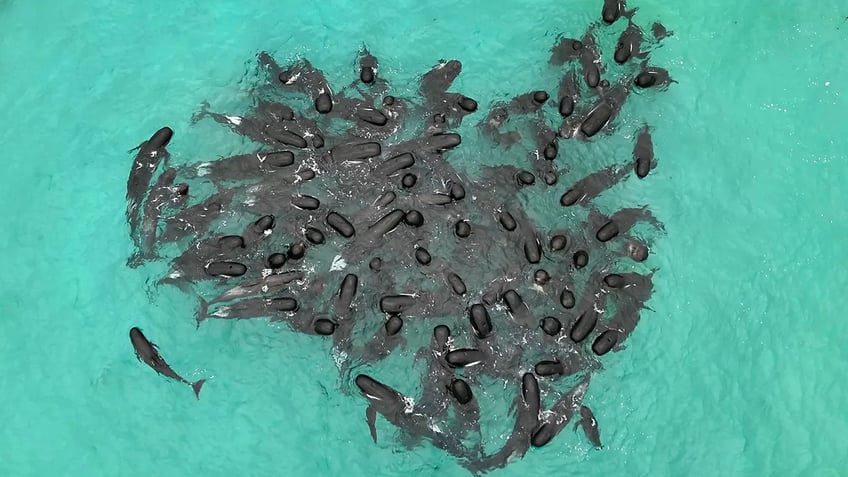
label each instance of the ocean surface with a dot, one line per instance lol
(738, 369)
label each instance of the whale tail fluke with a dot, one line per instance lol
(204, 111)
(135, 260)
(196, 387)
(628, 14)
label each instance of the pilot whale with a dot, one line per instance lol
(148, 353)
(401, 411)
(150, 153)
(528, 404)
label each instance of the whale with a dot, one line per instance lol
(568, 93)
(615, 9)
(660, 31)
(590, 426)
(620, 222)
(259, 307)
(402, 413)
(466, 409)
(195, 220)
(528, 405)
(590, 60)
(385, 340)
(367, 67)
(148, 353)
(565, 50)
(492, 124)
(603, 112)
(436, 82)
(434, 401)
(270, 284)
(150, 153)
(558, 416)
(247, 166)
(643, 153)
(164, 195)
(628, 45)
(593, 185)
(652, 76)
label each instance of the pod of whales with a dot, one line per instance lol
(350, 218)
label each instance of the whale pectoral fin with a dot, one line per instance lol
(371, 417)
(138, 148)
(577, 423)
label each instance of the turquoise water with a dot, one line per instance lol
(737, 371)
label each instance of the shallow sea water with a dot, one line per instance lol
(738, 370)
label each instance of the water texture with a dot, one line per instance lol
(735, 372)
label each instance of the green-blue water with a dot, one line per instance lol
(738, 370)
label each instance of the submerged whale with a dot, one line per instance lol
(150, 153)
(148, 353)
(397, 409)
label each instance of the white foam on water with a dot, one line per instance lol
(339, 358)
(338, 264)
(408, 404)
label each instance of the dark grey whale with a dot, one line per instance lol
(163, 196)
(652, 76)
(568, 93)
(554, 420)
(593, 185)
(259, 307)
(590, 60)
(590, 426)
(148, 353)
(384, 341)
(528, 404)
(643, 153)
(399, 410)
(628, 44)
(615, 9)
(439, 374)
(270, 284)
(150, 153)
(565, 50)
(197, 218)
